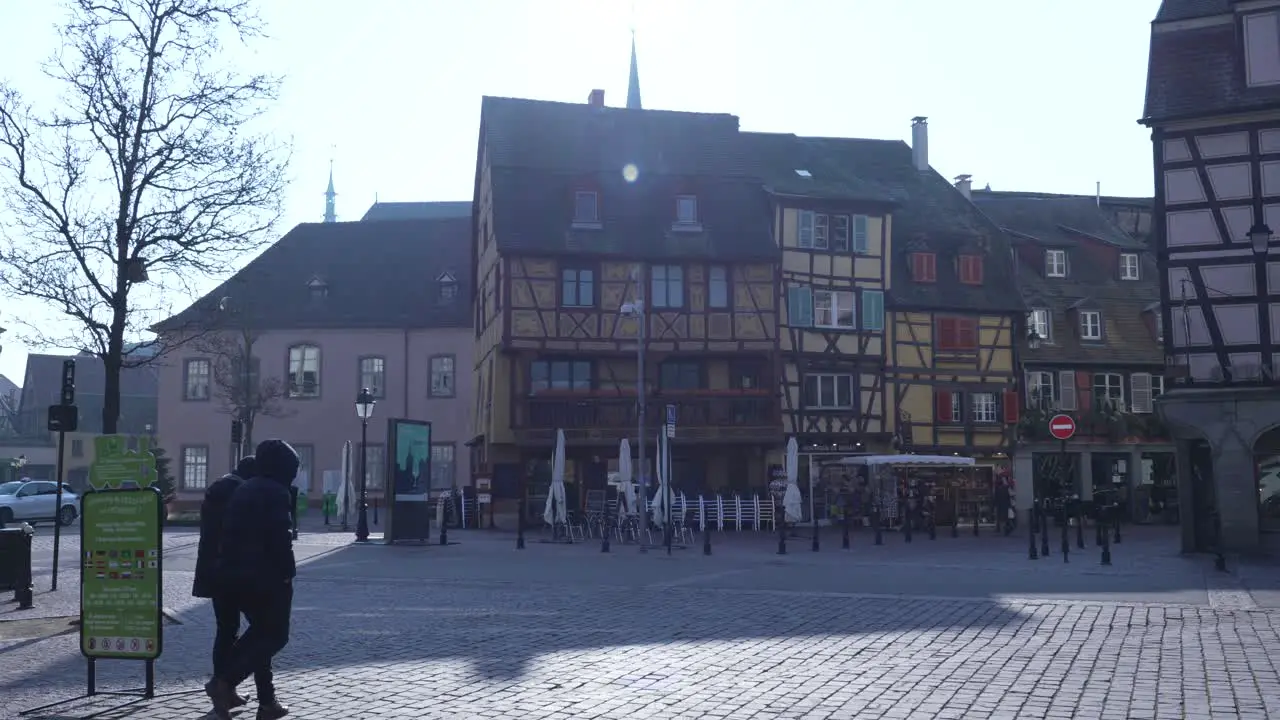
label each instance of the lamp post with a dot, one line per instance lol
(636, 310)
(364, 411)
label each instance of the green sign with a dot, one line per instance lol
(120, 563)
(116, 466)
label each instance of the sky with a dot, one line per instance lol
(1033, 95)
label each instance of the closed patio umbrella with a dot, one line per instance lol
(556, 512)
(791, 498)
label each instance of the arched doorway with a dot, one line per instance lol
(1266, 455)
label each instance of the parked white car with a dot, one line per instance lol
(34, 500)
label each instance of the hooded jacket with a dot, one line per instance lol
(213, 513)
(257, 539)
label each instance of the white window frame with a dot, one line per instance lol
(666, 281)
(957, 409)
(718, 286)
(195, 467)
(375, 470)
(835, 380)
(1129, 266)
(984, 408)
(1111, 389)
(1090, 325)
(374, 378)
(443, 376)
(202, 389)
(804, 229)
(1055, 263)
(1157, 386)
(1159, 315)
(581, 216)
(686, 209)
(1141, 397)
(831, 306)
(1037, 380)
(444, 465)
(304, 359)
(1040, 320)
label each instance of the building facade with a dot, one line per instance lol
(1094, 352)
(1213, 106)
(287, 343)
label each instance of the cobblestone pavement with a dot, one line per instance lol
(480, 631)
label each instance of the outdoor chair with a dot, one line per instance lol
(719, 515)
(766, 517)
(733, 513)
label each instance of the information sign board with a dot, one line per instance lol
(121, 596)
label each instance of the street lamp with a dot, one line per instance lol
(364, 411)
(1260, 238)
(635, 310)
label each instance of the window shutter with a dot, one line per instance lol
(1067, 390)
(1029, 383)
(966, 333)
(860, 233)
(946, 333)
(1141, 387)
(942, 405)
(1084, 389)
(872, 310)
(1010, 407)
(800, 306)
(804, 229)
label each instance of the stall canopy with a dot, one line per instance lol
(906, 460)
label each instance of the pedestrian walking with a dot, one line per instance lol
(1003, 503)
(208, 584)
(257, 559)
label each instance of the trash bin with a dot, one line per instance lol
(15, 563)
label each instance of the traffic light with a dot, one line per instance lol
(237, 432)
(68, 382)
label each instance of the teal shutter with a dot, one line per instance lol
(860, 233)
(799, 306)
(872, 310)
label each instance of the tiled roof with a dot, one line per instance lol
(830, 168)
(1171, 10)
(929, 214)
(1044, 220)
(1197, 72)
(417, 210)
(375, 274)
(539, 153)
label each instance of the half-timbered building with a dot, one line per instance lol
(1213, 104)
(1093, 351)
(832, 228)
(589, 221)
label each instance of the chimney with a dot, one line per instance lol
(964, 183)
(596, 98)
(920, 143)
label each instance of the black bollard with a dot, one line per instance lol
(875, 524)
(844, 522)
(375, 511)
(1098, 526)
(1031, 523)
(1115, 523)
(604, 530)
(444, 527)
(1079, 525)
(815, 531)
(1044, 529)
(782, 529)
(1106, 539)
(706, 537)
(520, 524)
(1219, 560)
(976, 512)
(1066, 536)
(933, 525)
(906, 525)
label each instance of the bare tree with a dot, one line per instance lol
(237, 382)
(147, 171)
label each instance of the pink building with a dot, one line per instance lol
(329, 309)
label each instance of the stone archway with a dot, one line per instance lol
(1266, 456)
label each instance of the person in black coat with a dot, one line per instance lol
(256, 559)
(208, 584)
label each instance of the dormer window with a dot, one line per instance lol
(1128, 266)
(448, 288)
(687, 209)
(1055, 263)
(971, 269)
(586, 207)
(318, 289)
(1090, 325)
(924, 267)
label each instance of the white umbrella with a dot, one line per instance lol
(556, 512)
(343, 499)
(791, 498)
(659, 504)
(626, 490)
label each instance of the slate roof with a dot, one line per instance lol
(540, 152)
(1198, 71)
(1041, 220)
(417, 210)
(832, 167)
(376, 275)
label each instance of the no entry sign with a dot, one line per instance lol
(1062, 427)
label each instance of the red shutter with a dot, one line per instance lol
(1084, 390)
(946, 339)
(930, 267)
(942, 405)
(966, 333)
(1011, 407)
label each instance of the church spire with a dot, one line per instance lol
(330, 197)
(633, 83)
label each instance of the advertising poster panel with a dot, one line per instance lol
(121, 593)
(409, 460)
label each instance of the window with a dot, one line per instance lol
(375, 461)
(1040, 390)
(1261, 46)
(1157, 386)
(668, 286)
(924, 267)
(1128, 266)
(1067, 390)
(799, 306)
(442, 376)
(1090, 325)
(195, 468)
(448, 290)
(957, 334)
(77, 448)
(304, 371)
(686, 210)
(560, 375)
(841, 233)
(805, 229)
(971, 269)
(443, 466)
(198, 374)
(680, 375)
(577, 287)
(1055, 263)
(1108, 389)
(828, 391)
(718, 286)
(373, 375)
(833, 309)
(947, 407)
(982, 407)
(1159, 316)
(306, 465)
(872, 310)
(586, 208)
(1038, 322)
(1142, 392)
(860, 244)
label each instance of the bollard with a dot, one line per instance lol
(1106, 538)
(706, 536)
(1219, 560)
(1031, 523)
(1116, 523)
(815, 532)
(375, 511)
(1066, 534)
(1079, 525)
(781, 514)
(844, 523)
(976, 512)
(1044, 529)
(19, 571)
(906, 525)
(444, 526)
(520, 522)
(604, 530)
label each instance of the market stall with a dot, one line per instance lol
(893, 491)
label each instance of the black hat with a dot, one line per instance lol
(246, 468)
(276, 459)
